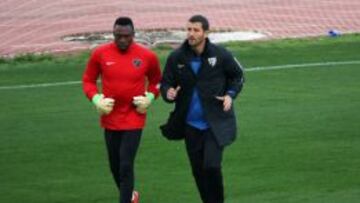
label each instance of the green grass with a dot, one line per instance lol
(298, 132)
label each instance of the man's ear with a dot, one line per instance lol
(207, 32)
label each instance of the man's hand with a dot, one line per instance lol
(227, 102)
(172, 93)
(143, 102)
(103, 104)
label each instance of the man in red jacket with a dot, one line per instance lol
(130, 76)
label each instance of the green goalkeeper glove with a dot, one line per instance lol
(143, 102)
(103, 104)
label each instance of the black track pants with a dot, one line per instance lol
(122, 147)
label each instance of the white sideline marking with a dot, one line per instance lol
(39, 85)
(287, 66)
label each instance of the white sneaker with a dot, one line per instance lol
(135, 197)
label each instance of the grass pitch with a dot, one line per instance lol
(298, 140)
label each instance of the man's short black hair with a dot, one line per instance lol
(200, 19)
(124, 21)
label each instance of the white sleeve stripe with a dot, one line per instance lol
(240, 66)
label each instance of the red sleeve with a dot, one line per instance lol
(90, 75)
(154, 75)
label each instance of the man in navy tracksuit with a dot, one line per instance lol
(203, 79)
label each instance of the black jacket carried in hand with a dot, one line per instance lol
(219, 73)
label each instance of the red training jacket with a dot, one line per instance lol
(123, 76)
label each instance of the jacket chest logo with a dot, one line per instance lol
(109, 63)
(180, 66)
(212, 61)
(137, 62)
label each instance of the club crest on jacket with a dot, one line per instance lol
(212, 61)
(137, 63)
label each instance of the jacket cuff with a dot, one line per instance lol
(231, 93)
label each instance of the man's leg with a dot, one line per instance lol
(122, 148)
(212, 166)
(194, 141)
(113, 140)
(129, 145)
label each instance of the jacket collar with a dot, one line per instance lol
(189, 52)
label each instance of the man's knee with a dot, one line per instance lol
(212, 171)
(215, 187)
(126, 170)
